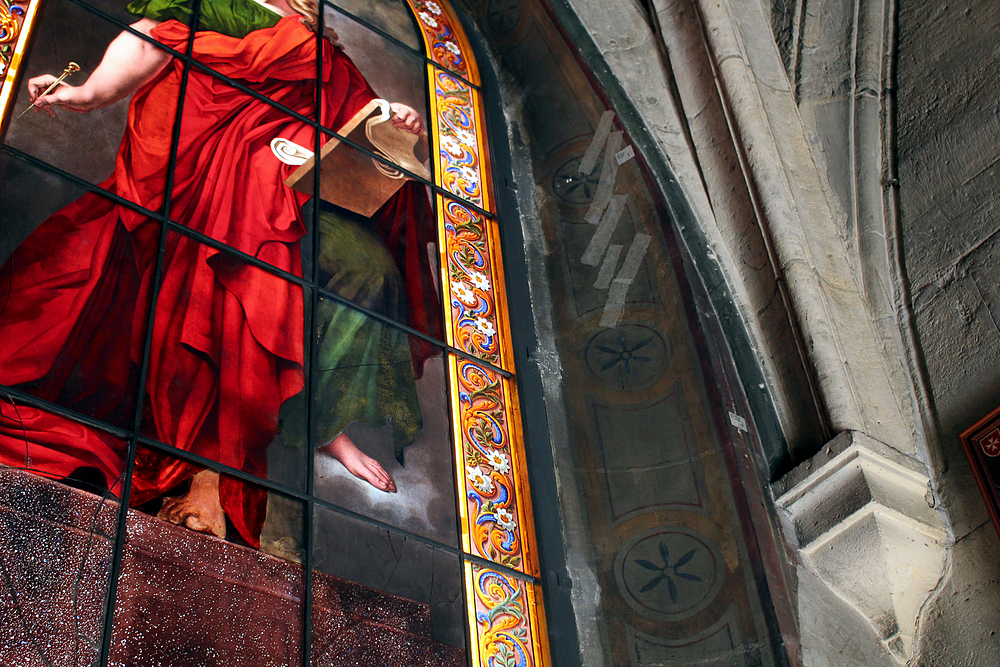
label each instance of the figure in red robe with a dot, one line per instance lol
(226, 347)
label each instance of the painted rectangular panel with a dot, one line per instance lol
(188, 598)
(648, 456)
(496, 514)
(508, 622)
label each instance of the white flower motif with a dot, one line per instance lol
(505, 520)
(479, 480)
(453, 47)
(481, 281)
(469, 174)
(434, 8)
(451, 145)
(484, 326)
(464, 293)
(467, 138)
(499, 462)
(428, 19)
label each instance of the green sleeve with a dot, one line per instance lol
(236, 18)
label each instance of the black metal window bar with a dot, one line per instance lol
(134, 435)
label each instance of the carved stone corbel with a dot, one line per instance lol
(861, 518)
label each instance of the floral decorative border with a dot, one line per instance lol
(471, 284)
(17, 19)
(460, 169)
(505, 612)
(495, 518)
(507, 618)
(443, 36)
(11, 17)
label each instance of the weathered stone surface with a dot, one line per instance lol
(912, 388)
(858, 515)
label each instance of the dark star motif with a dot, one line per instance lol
(667, 572)
(574, 187)
(626, 354)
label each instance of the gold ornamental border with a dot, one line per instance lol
(19, 32)
(506, 614)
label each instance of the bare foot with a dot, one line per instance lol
(199, 509)
(359, 464)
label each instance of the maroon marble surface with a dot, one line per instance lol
(55, 555)
(184, 599)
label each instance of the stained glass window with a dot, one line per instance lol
(257, 397)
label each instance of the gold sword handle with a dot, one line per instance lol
(70, 69)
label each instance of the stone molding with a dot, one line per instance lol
(860, 517)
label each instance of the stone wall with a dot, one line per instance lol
(839, 158)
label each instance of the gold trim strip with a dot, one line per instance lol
(12, 76)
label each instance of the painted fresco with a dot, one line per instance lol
(227, 343)
(669, 563)
(227, 311)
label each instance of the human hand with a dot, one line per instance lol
(406, 118)
(63, 95)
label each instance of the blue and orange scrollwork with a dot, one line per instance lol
(17, 18)
(458, 150)
(446, 44)
(505, 611)
(507, 619)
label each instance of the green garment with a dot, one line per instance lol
(362, 369)
(236, 18)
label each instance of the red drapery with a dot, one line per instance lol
(227, 339)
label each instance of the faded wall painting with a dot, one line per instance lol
(230, 228)
(669, 545)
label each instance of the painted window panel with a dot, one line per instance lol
(379, 393)
(251, 47)
(444, 40)
(20, 181)
(395, 247)
(392, 17)
(475, 316)
(382, 47)
(88, 145)
(226, 366)
(383, 598)
(51, 445)
(17, 20)
(228, 180)
(496, 514)
(82, 350)
(461, 162)
(129, 12)
(186, 598)
(507, 617)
